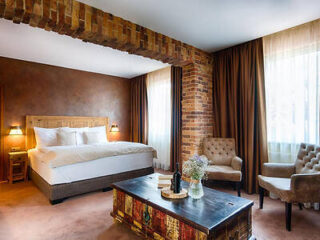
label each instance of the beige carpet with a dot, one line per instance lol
(27, 215)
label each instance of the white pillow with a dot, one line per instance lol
(102, 130)
(46, 136)
(79, 133)
(81, 138)
(94, 137)
(66, 138)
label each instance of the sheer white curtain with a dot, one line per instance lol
(292, 78)
(159, 115)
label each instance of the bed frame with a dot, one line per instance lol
(59, 192)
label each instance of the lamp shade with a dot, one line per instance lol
(114, 128)
(15, 130)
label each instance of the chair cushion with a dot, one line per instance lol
(279, 186)
(221, 172)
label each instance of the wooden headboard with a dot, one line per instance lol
(60, 121)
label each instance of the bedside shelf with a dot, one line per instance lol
(18, 164)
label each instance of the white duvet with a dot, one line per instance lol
(58, 156)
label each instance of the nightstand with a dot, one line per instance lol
(18, 166)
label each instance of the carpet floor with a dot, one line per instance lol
(26, 214)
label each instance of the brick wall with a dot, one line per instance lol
(84, 22)
(197, 118)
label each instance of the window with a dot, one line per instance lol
(292, 80)
(159, 115)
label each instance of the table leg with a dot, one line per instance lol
(10, 172)
(25, 171)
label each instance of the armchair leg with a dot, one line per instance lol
(261, 196)
(288, 215)
(238, 186)
(300, 206)
(57, 201)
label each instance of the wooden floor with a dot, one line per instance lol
(26, 214)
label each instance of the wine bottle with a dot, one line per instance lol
(177, 180)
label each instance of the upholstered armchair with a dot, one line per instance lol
(224, 165)
(293, 183)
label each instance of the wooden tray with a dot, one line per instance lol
(168, 193)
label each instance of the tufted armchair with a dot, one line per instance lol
(223, 162)
(293, 183)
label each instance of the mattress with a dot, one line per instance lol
(90, 169)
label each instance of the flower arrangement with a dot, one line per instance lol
(196, 167)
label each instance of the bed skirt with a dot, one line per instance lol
(59, 192)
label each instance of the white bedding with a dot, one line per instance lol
(58, 156)
(90, 169)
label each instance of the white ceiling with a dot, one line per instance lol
(213, 24)
(23, 42)
(207, 24)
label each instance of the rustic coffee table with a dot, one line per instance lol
(138, 203)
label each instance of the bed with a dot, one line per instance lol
(59, 180)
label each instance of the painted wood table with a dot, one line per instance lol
(138, 203)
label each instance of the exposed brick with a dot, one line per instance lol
(122, 36)
(196, 107)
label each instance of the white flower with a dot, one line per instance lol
(196, 167)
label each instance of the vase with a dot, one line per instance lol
(195, 190)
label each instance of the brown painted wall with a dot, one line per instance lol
(38, 89)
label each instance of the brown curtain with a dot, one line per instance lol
(139, 110)
(176, 90)
(2, 160)
(239, 105)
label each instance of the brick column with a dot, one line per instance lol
(197, 118)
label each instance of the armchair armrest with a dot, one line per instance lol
(236, 163)
(306, 187)
(280, 170)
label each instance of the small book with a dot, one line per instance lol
(164, 183)
(165, 177)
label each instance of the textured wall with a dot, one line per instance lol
(37, 89)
